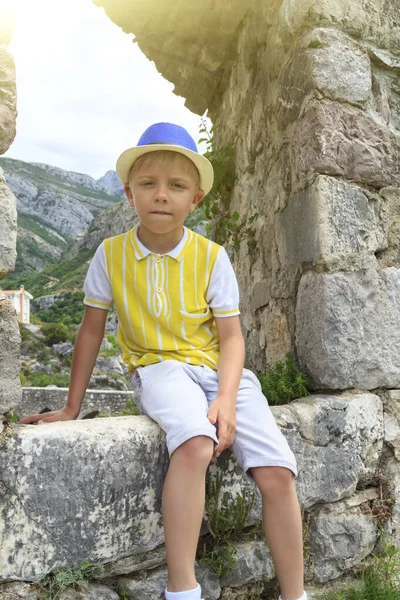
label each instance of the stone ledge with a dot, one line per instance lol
(91, 489)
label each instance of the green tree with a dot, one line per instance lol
(54, 333)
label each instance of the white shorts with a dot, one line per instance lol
(177, 396)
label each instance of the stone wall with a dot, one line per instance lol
(36, 400)
(91, 490)
(10, 387)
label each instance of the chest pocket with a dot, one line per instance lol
(193, 322)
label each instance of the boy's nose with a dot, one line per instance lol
(161, 195)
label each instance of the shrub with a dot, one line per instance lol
(113, 340)
(50, 586)
(282, 382)
(43, 380)
(55, 333)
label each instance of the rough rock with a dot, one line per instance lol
(8, 100)
(340, 140)
(44, 302)
(353, 337)
(337, 441)
(63, 348)
(333, 223)
(10, 384)
(79, 490)
(252, 563)
(331, 63)
(342, 535)
(108, 364)
(102, 382)
(8, 228)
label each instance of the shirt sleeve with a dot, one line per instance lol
(223, 291)
(97, 286)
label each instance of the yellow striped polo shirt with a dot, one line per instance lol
(165, 304)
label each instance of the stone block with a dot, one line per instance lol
(253, 562)
(339, 140)
(8, 100)
(10, 339)
(328, 61)
(79, 490)
(348, 328)
(334, 223)
(337, 441)
(8, 228)
(341, 535)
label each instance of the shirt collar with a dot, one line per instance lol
(177, 253)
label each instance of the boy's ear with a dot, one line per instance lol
(197, 199)
(129, 195)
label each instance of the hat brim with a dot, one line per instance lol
(128, 157)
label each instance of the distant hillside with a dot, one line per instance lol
(54, 208)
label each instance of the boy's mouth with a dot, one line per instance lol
(160, 212)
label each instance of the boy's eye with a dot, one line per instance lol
(147, 183)
(178, 185)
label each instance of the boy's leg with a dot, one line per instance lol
(172, 397)
(260, 447)
(183, 508)
(282, 527)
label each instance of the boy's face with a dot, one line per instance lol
(163, 193)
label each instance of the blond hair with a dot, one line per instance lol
(166, 157)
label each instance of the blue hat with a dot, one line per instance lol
(166, 136)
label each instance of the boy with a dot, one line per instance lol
(177, 302)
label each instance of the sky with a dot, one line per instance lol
(85, 91)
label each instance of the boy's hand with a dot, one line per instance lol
(64, 414)
(223, 412)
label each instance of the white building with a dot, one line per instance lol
(20, 299)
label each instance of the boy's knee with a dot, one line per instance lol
(196, 452)
(273, 480)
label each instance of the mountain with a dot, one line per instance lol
(111, 183)
(54, 208)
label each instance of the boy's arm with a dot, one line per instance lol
(231, 361)
(86, 348)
